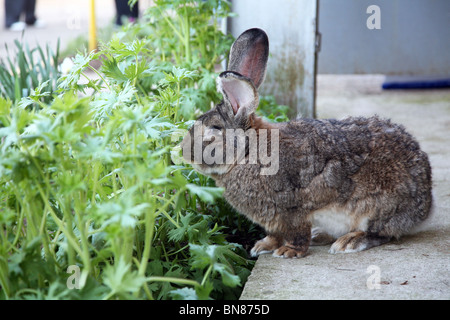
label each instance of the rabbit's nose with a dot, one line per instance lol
(186, 148)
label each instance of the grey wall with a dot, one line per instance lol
(414, 38)
(291, 27)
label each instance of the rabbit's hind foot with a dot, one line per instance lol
(357, 241)
(266, 245)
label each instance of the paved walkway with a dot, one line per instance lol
(415, 267)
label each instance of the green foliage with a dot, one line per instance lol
(182, 34)
(87, 178)
(28, 70)
(271, 111)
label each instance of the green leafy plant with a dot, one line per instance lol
(89, 182)
(184, 34)
(88, 179)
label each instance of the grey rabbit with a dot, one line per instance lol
(359, 181)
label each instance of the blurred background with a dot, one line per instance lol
(66, 20)
(406, 41)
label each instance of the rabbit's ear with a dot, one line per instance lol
(249, 54)
(238, 92)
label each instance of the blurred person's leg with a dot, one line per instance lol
(29, 9)
(134, 13)
(124, 10)
(13, 9)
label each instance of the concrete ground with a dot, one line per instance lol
(415, 267)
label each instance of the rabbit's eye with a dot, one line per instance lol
(216, 128)
(211, 133)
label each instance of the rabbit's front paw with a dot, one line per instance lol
(266, 245)
(289, 252)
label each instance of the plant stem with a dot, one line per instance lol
(149, 231)
(174, 29)
(99, 74)
(70, 238)
(85, 256)
(174, 280)
(187, 35)
(175, 117)
(205, 277)
(90, 81)
(94, 181)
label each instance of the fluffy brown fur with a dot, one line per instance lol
(362, 180)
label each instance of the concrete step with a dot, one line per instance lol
(415, 267)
